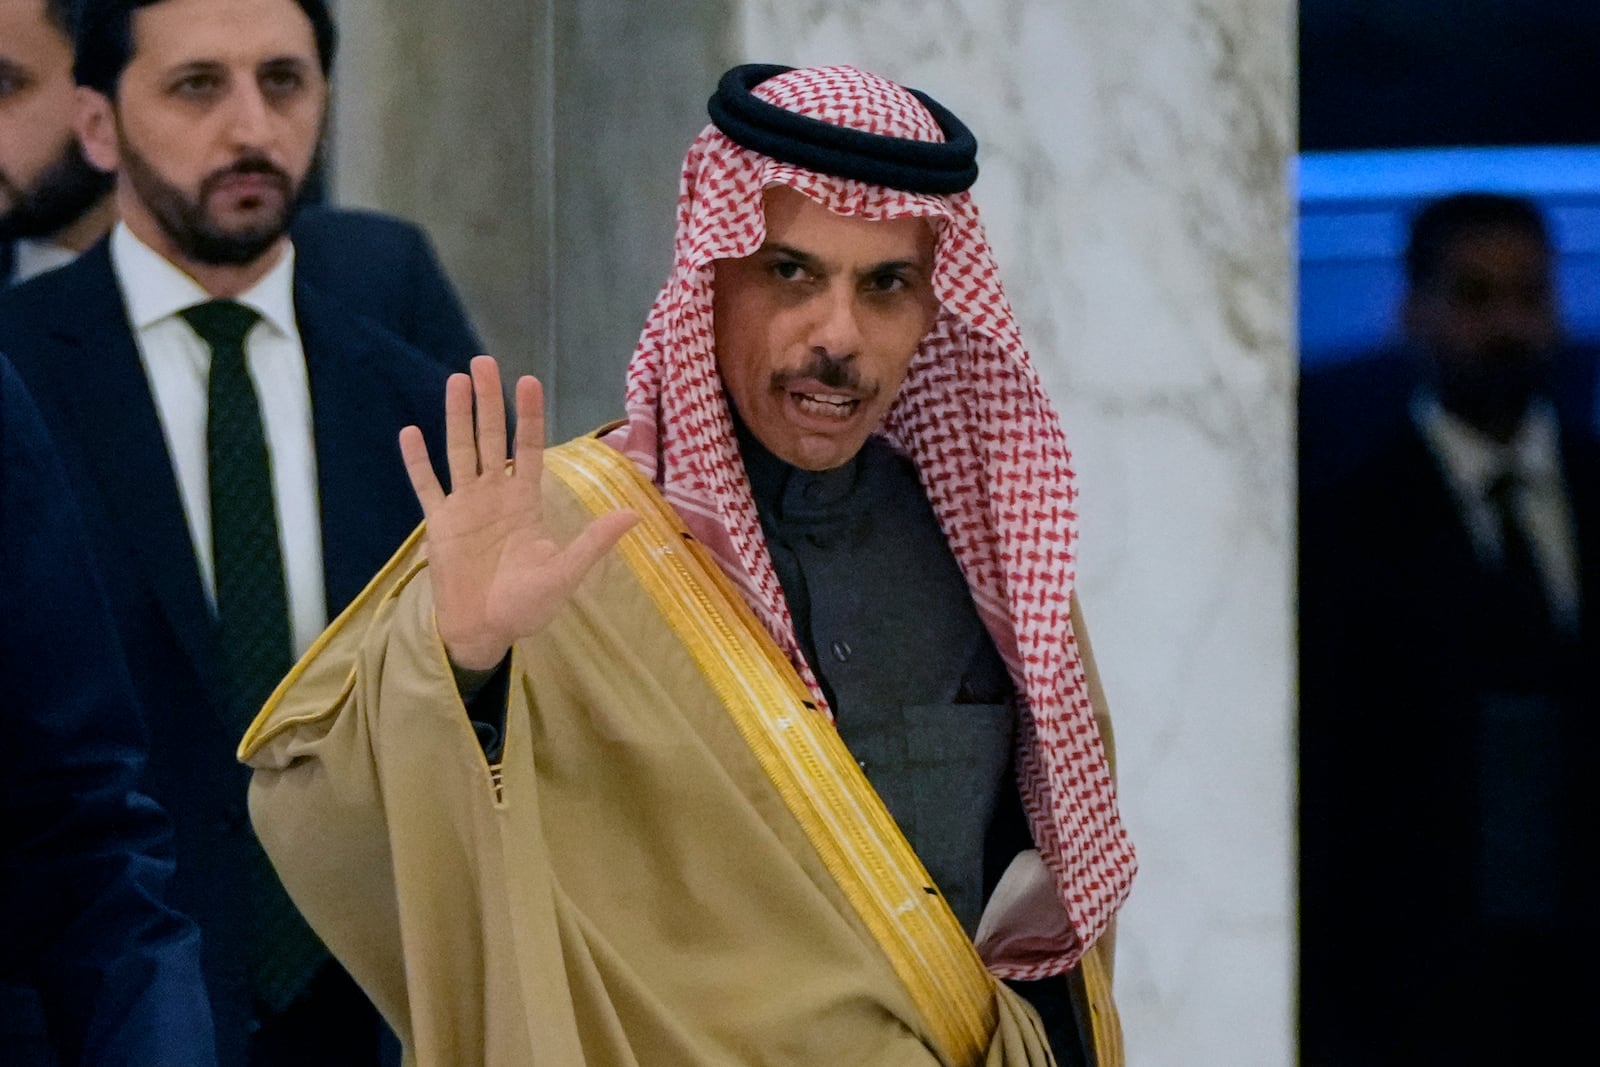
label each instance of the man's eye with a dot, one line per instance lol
(197, 85)
(788, 270)
(1472, 294)
(886, 283)
(12, 84)
(281, 82)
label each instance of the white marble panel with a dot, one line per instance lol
(1133, 182)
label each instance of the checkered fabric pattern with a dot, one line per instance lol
(973, 417)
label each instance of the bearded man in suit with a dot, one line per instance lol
(193, 389)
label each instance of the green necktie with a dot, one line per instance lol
(252, 611)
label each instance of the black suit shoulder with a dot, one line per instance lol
(84, 917)
(386, 269)
(45, 297)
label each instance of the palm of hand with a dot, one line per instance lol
(497, 573)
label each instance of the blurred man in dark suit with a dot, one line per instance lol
(1449, 606)
(1352, 402)
(55, 204)
(85, 858)
(217, 407)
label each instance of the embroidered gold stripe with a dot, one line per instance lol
(1104, 1025)
(800, 751)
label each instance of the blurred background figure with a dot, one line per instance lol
(1449, 276)
(86, 859)
(1447, 605)
(53, 202)
(1479, 283)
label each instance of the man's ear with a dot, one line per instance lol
(96, 123)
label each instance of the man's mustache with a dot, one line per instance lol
(829, 371)
(247, 166)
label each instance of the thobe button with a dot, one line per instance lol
(841, 651)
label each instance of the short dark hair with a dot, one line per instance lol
(103, 40)
(1441, 222)
(59, 14)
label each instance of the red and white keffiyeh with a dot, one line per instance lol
(972, 416)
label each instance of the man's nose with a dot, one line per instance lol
(252, 123)
(837, 330)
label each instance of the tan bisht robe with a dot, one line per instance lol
(675, 862)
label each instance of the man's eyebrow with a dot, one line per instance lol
(808, 259)
(896, 264)
(193, 66)
(778, 248)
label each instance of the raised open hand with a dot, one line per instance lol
(497, 575)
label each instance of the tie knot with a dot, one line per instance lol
(221, 324)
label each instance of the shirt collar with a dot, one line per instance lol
(1475, 459)
(33, 257)
(154, 288)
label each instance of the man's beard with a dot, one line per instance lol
(63, 193)
(187, 221)
(1493, 392)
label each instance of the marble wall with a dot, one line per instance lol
(1134, 183)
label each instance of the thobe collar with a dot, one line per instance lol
(786, 493)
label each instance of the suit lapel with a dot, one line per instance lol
(126, 453)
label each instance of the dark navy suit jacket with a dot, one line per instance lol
(385, 269)
(67, 333)
(1399, 768)
(87, 860)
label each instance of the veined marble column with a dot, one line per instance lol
(441, 117)
(1133, 182)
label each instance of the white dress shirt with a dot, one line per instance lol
(177, 363)
(1473, 461)
(32, 257)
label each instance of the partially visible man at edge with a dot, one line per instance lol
(55, 204)
(217, 411)
(1451, 580)
(85, 858)
(817, 739)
